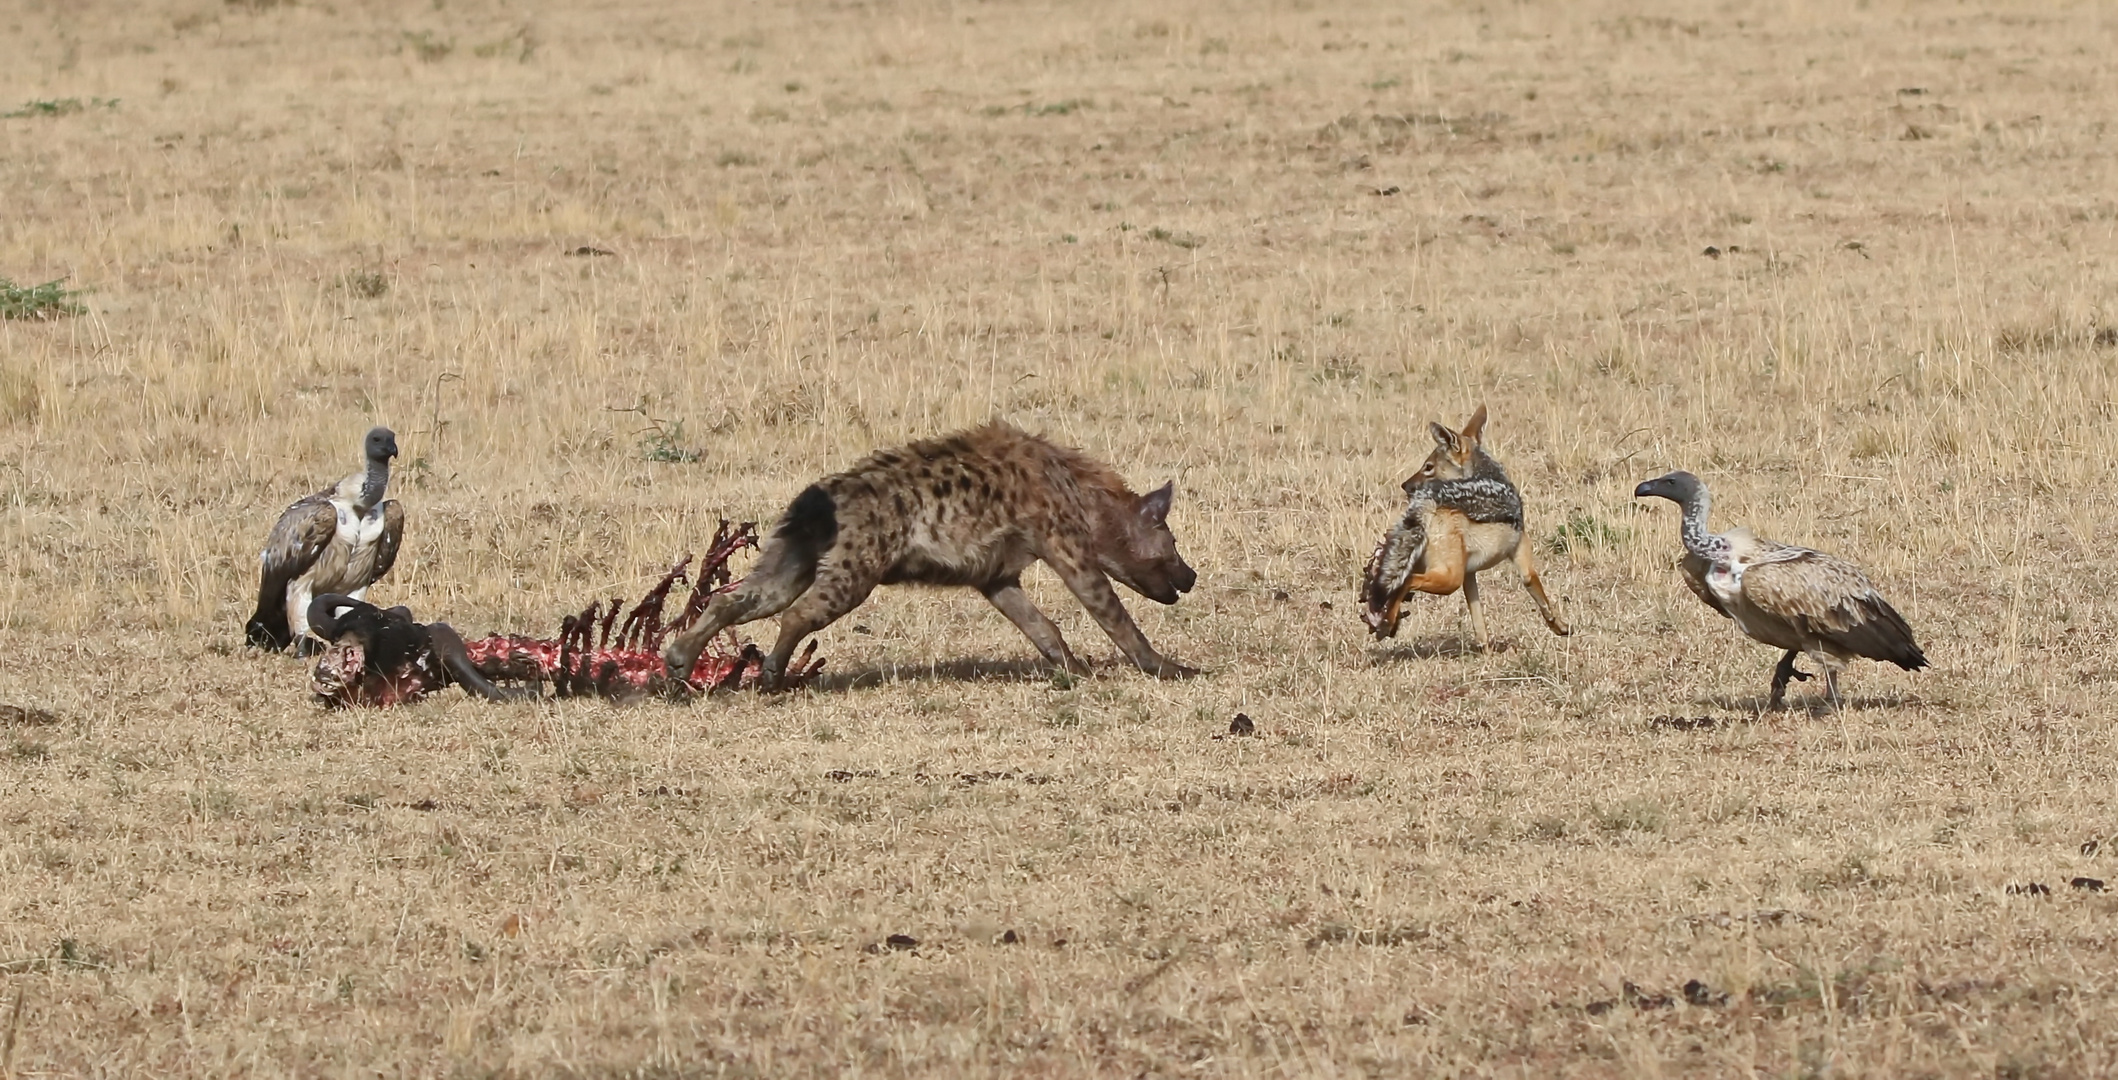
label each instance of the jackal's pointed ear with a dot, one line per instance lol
(1474, 429)
(1443, 437)
(1154, 506)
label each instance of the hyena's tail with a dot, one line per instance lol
(809, 527)
(787, 566)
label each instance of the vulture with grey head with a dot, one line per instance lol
(1788, 597)
(338, 541)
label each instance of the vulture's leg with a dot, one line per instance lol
(1832, 665)
(1478, 616)
(448, 644)
(1535, 584)
(1782, 674)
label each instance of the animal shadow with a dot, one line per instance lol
(961, 670)
(1760, 706)
(1668, 722)
(1437, 646)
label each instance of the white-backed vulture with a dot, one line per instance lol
(1788, 597)
(339, 540)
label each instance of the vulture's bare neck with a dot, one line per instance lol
(365, 489)
(1697, 539)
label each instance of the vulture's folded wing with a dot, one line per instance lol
(392, 535)
(1829, 598)
(301, 535)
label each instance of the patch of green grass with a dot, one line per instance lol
(366, 283)
(664, 441)
(1180, 239)
(58, 107)
(1633, 815)
(427, 47)
(1584, 531)
(46, 301)
(521, 45)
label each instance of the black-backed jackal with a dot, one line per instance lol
(1463, 516)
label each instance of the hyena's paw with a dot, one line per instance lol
(1170, 669)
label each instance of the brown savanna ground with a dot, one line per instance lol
(1252, 249)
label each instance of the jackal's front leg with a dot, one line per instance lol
(1478, 615)
(1007, 595)
(1093, 590)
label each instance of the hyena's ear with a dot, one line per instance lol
(1474, 428)
(1443, 437)
(1154, 506)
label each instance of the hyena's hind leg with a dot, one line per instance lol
(1535, 584)
(1007, 595)
(835, 591)
(774, 585)
(783, 573)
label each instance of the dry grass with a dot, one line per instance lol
(1250, 248)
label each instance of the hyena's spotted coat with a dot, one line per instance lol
(974, 508)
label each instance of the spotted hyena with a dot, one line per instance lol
(974, 508)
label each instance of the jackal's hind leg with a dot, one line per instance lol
(1007, 595)
(1535, 585)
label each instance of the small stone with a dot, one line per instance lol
(1242, 726)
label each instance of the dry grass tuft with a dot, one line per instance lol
(613, 274)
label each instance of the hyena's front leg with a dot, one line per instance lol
(1007, 595)
(1093, 590)
(779, 579)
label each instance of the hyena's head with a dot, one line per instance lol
(1458, 455)
(1143, 553)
